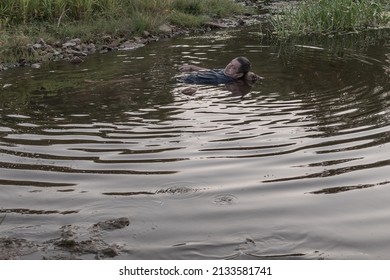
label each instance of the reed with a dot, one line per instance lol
(329, 16)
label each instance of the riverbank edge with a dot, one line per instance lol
(75, 51)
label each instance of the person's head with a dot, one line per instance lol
(238, 67)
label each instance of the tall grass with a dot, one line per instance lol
(26, 11)
(86, 18)
(330, 16)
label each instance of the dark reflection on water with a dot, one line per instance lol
(294, 167)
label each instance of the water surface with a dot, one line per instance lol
(295, 167)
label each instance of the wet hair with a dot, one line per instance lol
(245, 65)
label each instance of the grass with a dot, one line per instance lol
(26, 11)
(330, 16)
(23, 21)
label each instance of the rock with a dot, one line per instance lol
(77, 48)
(75, 52)
(57, 44)
(36, 66)
(49, 49)
(76, 60)
(113, 224)
(76, 41)
(216, 25)
(91, 48)
(108, 253)
(68, 45)
(129, 45)
(145, 34)
(165, 28)
(37, 46)
(107, 48)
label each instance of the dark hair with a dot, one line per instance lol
(245, 64)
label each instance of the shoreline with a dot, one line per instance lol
(75, 51)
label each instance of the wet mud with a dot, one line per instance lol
(73, 242)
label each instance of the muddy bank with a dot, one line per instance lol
(76, 241)
(73, 242)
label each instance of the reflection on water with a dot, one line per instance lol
(295, 166)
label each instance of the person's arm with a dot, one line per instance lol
(191, 68)
(252, 77)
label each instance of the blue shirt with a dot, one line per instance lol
(208, 77)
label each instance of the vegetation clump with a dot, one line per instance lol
(330, 16)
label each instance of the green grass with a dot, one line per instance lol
(16, 12)
(27, 11)
(23, 21)
(330, 16)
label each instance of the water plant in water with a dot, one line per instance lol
(329, 16)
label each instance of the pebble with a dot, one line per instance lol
(36, 66)
(37, 46)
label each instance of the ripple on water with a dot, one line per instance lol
(294, 165)
(225, 199)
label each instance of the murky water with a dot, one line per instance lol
(298, 167)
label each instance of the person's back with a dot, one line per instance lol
(236, 69)
(209, 77)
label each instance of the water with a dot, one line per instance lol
(295, 168)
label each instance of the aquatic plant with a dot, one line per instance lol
(329, 16)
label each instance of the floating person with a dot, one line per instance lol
(236, 75)
(236, 69)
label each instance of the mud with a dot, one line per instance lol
(73, 242)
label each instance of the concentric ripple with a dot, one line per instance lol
(300, 158)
